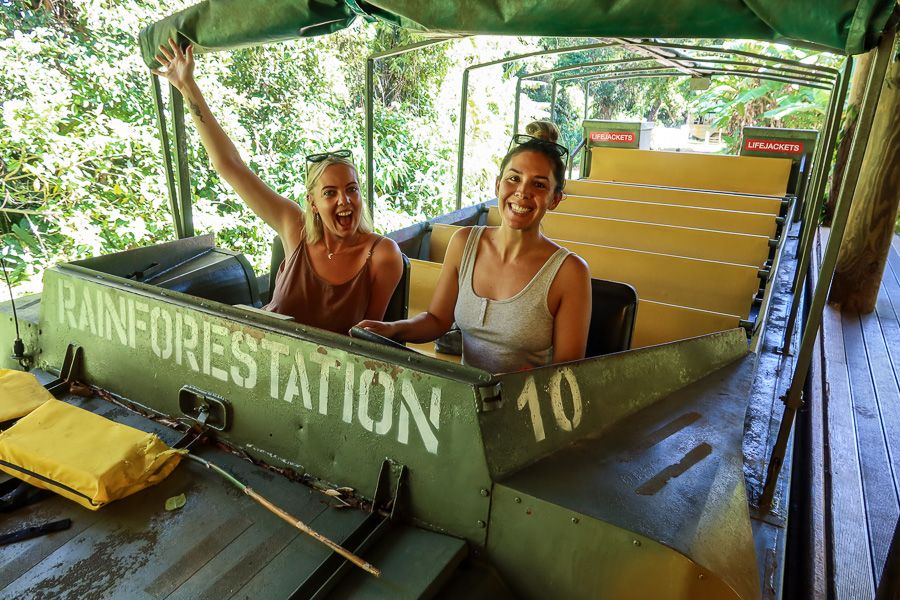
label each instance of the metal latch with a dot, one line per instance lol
(490, 396)
(205, 408)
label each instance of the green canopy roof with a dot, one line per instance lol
(843, 26)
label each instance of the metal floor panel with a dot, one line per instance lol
(415, 564)
(219, 543)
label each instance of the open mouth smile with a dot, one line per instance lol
(344, 218)
(519, 209)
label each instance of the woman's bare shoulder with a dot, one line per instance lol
(384, 249)
(574, 269)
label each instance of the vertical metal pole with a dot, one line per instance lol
(461, 144)
(553, 102)
(167, 156)
(829, 261)
(181, 163)
(810, 219)
(517, 106)
(587, 89)
(370, 136)
(582, 171)
(829, 137)
(820, 174)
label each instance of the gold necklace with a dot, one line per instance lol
(328, 251)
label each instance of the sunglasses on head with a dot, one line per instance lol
(317, 158)
(522, 139)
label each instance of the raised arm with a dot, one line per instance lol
(434, 323)
(570, 295)
(283, 215)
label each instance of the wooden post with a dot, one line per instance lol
(848, 127)
(873, 213)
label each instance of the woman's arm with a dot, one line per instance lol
(387, 269)
(434, 323)
(283, 215)
(571, 294)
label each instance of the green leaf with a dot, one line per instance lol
(175, 502)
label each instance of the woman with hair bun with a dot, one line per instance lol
(520, 300)
(336, 271)
(544, 130)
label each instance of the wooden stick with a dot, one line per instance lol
(295, 522)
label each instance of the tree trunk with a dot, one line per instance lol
(848, 128)
(873, 213)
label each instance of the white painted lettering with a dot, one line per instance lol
(66, 303)
(276, 351)
(158, 316)
(366, 381)
(247, 381)
(529, 397)
(291, 390)
(410, 404)
(116, 318)
(212, 345)
(86, 314)
(135, 322)
(327, 363)
(556, 400)
(185, 344)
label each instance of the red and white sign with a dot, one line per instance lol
(773, 146)
(615, 137)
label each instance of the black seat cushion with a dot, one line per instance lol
(612, 317)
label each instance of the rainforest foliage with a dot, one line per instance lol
(80, 164)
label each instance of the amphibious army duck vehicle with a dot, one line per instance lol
(637, 472)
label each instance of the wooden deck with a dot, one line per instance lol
(854, 417)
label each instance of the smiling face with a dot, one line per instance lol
(337, 200)
(526, 190)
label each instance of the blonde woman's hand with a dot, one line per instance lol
(177, 66)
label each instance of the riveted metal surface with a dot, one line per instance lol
(671, 474)
(550, 408)
(334, 407)
(597, 559)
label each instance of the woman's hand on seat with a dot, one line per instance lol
(388, 330)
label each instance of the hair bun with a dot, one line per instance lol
(544, 130)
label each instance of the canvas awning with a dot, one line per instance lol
(842, 26)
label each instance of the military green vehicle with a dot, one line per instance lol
(649, 469)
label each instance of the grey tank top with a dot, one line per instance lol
(501, 336)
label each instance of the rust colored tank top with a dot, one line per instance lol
(302, 294)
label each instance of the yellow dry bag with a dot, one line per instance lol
(20, 393)
(82, 456)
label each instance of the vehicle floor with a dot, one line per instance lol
(854, 417)
(219, 545)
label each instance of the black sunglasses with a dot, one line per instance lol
(317, 158)
(522, 139)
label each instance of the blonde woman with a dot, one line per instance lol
(337, 272)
